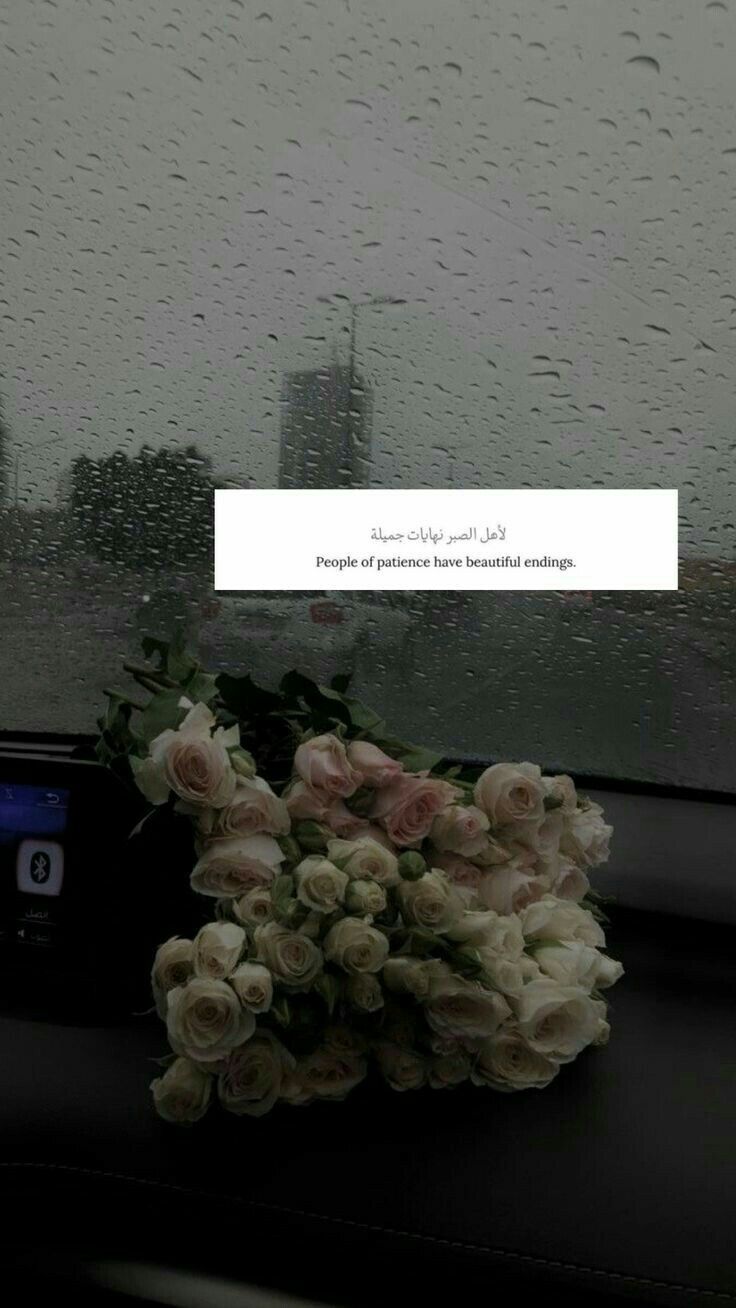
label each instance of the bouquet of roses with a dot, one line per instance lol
(370, 907)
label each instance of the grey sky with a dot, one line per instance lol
(549, 186)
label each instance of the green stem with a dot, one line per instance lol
(161, 678)
(117, 694)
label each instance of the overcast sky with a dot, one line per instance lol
(549, 186)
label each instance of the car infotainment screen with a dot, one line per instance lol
(33, 825)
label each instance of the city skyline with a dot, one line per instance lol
(177, 225)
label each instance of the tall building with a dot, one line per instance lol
(325, 429)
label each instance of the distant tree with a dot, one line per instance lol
(154, 509)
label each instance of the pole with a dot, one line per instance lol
(351, 384)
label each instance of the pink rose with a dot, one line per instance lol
(408, 806)
(378, 834)
(343, 822)
(303, 801)
(254, 809)
(376, 768)
(460, 829)
(323, 764)
(460, 870)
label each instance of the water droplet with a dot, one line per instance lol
(645, 64)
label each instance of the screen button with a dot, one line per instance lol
(28, 934)
(40, 867)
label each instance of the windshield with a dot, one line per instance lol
(489, 243)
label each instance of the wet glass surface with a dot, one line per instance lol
(355, 243)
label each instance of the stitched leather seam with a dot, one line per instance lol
(534, 1259)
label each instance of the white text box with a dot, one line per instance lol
(321, 540)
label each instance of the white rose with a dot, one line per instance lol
(604, 1030)
(558, 1021)
(460, 829)
(320, 885)
(463, 1009)
(506, 1062)
(566, 880)
(409, 975)
(191, 761)
(403, 1068)
(562, 790)
(460, 871)
(495, 853)
(511, 792)
(293, 959)
(449, 1069)
(217, 948)
(505, 974)
(183, 1093)
(172, 967)
(229, 868)
(499, 932)
(331, 1073)
(355, 946)
(254, 907)
(294, 1091)
(365, 898)
(365, 859)
(205, 1020)
(586, 837)
(254, 810)
(253, 984)
(431, 902)
(510, 888)
(254, 1075)
(609, 972)
(364, 992)
(570, 962)
(530, 968)
(542, 837)
(560, 919)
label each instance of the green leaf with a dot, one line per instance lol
(180, 664)
(365, 718)
(150, 646)
(312, 836)
(328, 987)
(326, 704)
(289, 848)
(361, 801)
(466, 962)
(244, 698)
(421, 942)
(201, 687)
(163, 713)
(341, 681)
(282, 889)
(415, 758)
(116, 736)
(281, 1010)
